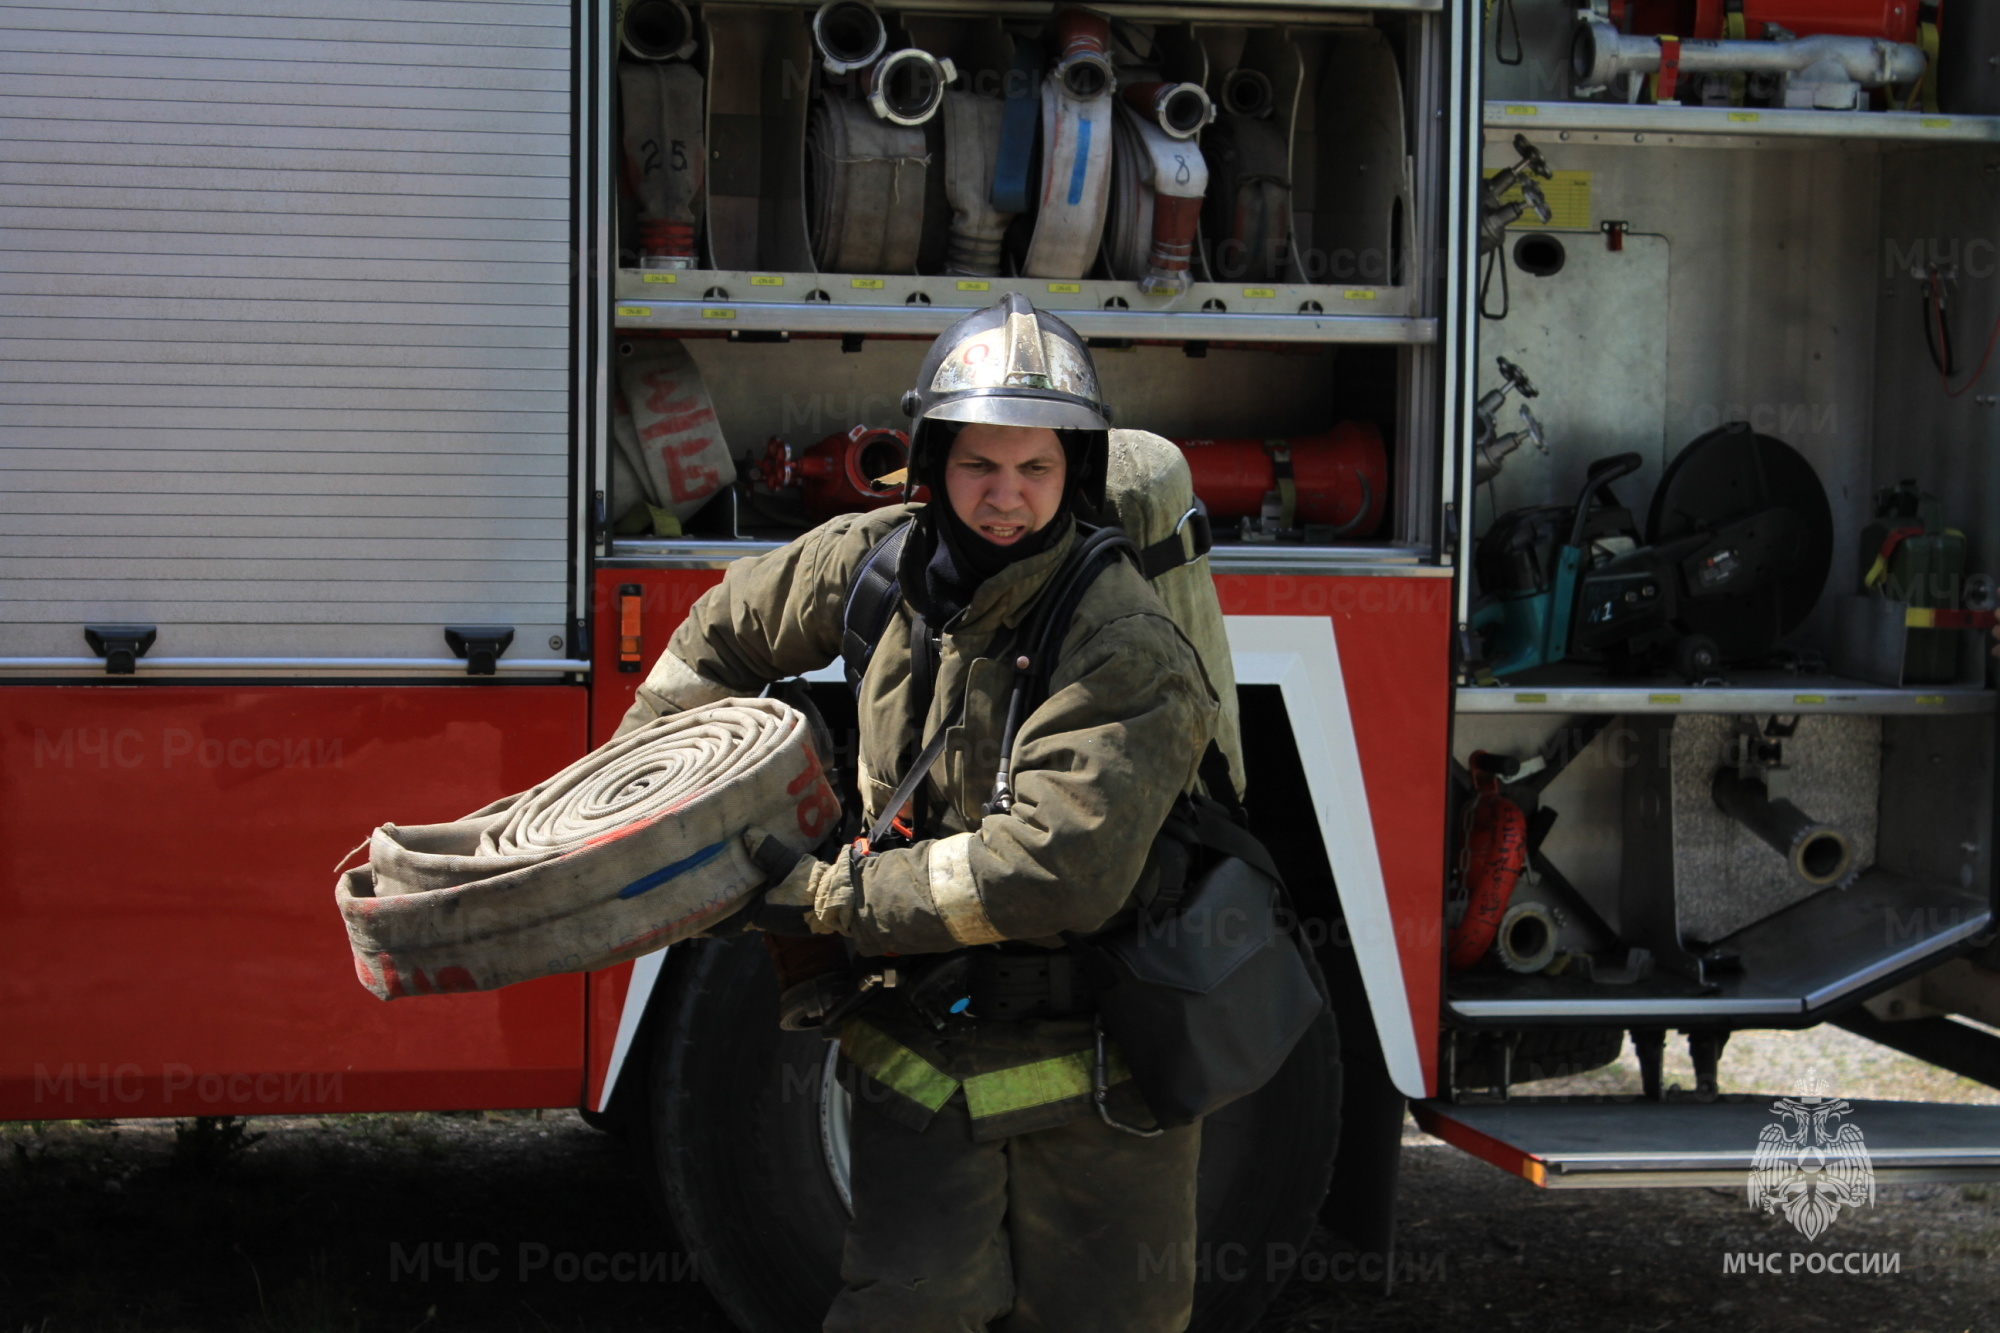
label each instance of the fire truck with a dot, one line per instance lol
(1591, 404)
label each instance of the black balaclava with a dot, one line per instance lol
(961, 559)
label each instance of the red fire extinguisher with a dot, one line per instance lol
(1707, 20)
(1340, 477)
(842, 474)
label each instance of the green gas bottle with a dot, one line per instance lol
(1910, 556)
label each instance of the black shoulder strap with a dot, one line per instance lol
(1171, 551)
(1095, 551)
(871, 600)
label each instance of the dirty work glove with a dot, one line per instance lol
(804, 895)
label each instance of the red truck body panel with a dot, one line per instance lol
(168, 939)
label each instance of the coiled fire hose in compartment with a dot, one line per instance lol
(665, 157)
(637, 845)
(1076, 149)
(866, 159)
(972, 126)
(1248, 216)
(1158, 179)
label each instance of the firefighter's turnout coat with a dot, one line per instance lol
(1128, 715)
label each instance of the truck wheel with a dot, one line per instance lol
(748, 1138)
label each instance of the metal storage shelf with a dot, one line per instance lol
(1580, 689)
(1278, 11)
(1777, 981)
(1341, 561)
(1676, 126)
(841, 303)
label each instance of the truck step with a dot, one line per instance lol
(1623, 1143)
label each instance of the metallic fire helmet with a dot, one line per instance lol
(1006, 365)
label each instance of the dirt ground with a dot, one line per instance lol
(532, 1221)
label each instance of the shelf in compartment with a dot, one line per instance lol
(1583, 689)
(1880, 925)
(842, 303)
(1269, 11)
(1683, 126)
(1335, 561)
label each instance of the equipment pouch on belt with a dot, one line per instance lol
(1212, 993)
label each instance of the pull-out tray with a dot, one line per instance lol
(1612, 1143)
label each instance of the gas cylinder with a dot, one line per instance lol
(838, 475)
(1341, 476)
(1894, 19)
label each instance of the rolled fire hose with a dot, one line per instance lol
(1496, 852)
(665, 423)
(1248, 216)
(1013, 192)
(972, 126)
(1157, 183)
(1076, 181)
(665, 157)
(864, 188)
(657, 30)
(637, 845)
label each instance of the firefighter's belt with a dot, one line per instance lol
(988, 1097)
(1048, 983)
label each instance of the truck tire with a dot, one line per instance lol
(743, 1141)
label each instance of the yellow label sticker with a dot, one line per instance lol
(1663, 698)
(1744, 117)
(709, 312)
(660, 277)
(1531, 698)
(1263, 292)
(1936, 122)
(766, 280)
(1809, 698)
(975, 286)
(1360, 293)
(1066, 287)
(1513, 110)
(1568, 193)
(634, 311)
(1929, 700)
(867, 284)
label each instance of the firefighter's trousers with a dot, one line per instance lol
(1075, 1229)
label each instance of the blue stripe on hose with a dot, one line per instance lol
(1018, 124)
(1082, 162)
(665, 873)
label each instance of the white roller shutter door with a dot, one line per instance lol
(285, 324)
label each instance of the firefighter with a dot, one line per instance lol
(990, 1188)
